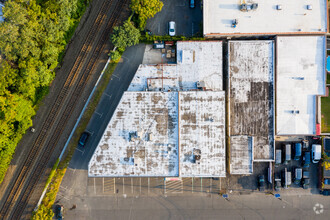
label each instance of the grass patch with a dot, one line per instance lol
(325, 114)
(45, 210)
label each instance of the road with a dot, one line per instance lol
(120, 80)
(188, 20)
(198, 207)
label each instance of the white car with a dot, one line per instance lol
(316, 153)
(171, 28)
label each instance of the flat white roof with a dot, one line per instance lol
(141, 138)
(251, 94)
(241, 154)
(197, 61)
(202, 134)
(300, 77)
(294, 17)
(164, 134)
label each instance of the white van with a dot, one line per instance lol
(316, 153)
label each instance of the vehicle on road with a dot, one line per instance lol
(261, 183)
(59, 212)
(297, 151)
(306, 180)
(297, 176)
(287, 153)
(83, 139)
(316, 153)
(306, 159)
(327, 181)
(192, 3)
(171, 28)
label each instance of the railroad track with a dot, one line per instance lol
(27, 175)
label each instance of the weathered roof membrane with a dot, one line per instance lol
(264, 17)
(202, 133)
(300, 78)
(141, 138)
(251, 94)
(197, 61)
(241, 154)
(172, 120)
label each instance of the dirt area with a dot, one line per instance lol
(72, 51)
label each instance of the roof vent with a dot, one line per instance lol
(309, 7)
(278, 7)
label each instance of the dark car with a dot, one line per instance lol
(83, 139)
(306, 180)
(192, 3)
(307, 159)
(261, 183)
(297, 151)
(325, 192)
(59, 212)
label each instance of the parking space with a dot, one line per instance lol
(294, 164)
(130, 187)
(188, 21)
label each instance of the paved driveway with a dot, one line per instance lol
(120, 80)
(188, 21)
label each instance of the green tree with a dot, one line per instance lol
(146, 9)
(125, 36)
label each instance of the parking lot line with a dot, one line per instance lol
(100, 114)
(82, 151)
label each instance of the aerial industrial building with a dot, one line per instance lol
(171, 121)
(300, 82)
(251, 103)
(264, 17)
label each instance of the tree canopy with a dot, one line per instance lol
(33, 35)
(146, 9)
(125, 36)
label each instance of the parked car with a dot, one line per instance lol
(287, 153)
(192, 3)
(171, 28)
(305, 144)
(278, 159)
(277, 183)
(261, 183)
(306, 180)
(83, 139)
(327, 181)
(297, 176)
(59, 212)
(316, 153)
(297, 151)
(286, 178)
(306, 159)
(325, 192)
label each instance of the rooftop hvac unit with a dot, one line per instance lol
(278, 7)
(254, 6)
(309, 7)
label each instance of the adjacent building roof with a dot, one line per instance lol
(267, 17)
(241, 154)
(202, 133)
(251, 94)
(300, 77)
(197, 61)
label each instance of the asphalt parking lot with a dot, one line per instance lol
(188, 20)
(313, 168)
